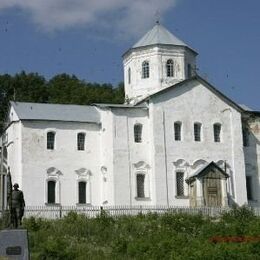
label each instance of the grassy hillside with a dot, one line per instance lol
(152, 236)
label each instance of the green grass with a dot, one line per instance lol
(152, 236)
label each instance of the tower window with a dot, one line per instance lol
(217, 131)
(51, 191)
(82, 192)
(81, 141)
(177, 131)
(138, 133)
(169, 68)
(145, 70)
(129, 75)
(140, 185)
(197, 132)
(50, 140)
(179, 183)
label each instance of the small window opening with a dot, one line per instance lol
(50, 140)
(138, 133)
(197, 132)
(81, 141)
(180, 183)
(51, 191)
(129, 75)
(82, 192)
(169, 68)
(145, 70)
(217, 131)
(140, 185)
(177, 131)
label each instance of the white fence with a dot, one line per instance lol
(54, 212)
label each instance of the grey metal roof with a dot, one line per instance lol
(245, 107)
(159, 35)
(204, 167)
(118, 105)
(56, 112)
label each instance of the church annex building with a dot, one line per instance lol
(176, 141)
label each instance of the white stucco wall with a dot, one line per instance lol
(188, 104)
(252, 157)
(65, 159)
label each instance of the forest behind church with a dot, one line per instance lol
(60, 89)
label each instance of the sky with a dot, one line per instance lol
(88, 37)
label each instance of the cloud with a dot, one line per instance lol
(122, 17)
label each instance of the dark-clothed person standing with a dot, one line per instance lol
(17, 206)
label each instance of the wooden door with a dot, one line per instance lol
(193, 194)
(212, 191)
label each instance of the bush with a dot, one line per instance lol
(151, 236)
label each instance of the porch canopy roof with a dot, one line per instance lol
(205, 170)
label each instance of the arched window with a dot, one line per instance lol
(82, 192)
(177, 131)
(140, 181)
(217, 131)
(51, 192)
(197, 132)
(50, 140)
(145, 70)
(169, 68)
(129, 75)
(81, 141)
(138, 133)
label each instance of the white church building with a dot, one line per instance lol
(177, 140)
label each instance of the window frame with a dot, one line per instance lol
(197, 136)
(50, 144)
(217, 129)
(177, 132)
(48, 201)
(79, 144)
(170, 68)
(180, 195)
(85, 192)
(129, 75)
(145, 69)
(138, 133)
(140, 174)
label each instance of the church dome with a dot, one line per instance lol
(159, 35)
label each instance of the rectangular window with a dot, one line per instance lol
(140, 185)
(81, 141)
(179, 183)
(50, 140)
(197, 132)
(138, 133)
(82, 192)
(177, 131)
(249, 187)
(51, 191)
(217, 130)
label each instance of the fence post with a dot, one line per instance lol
(101, 211)
(60, 211)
